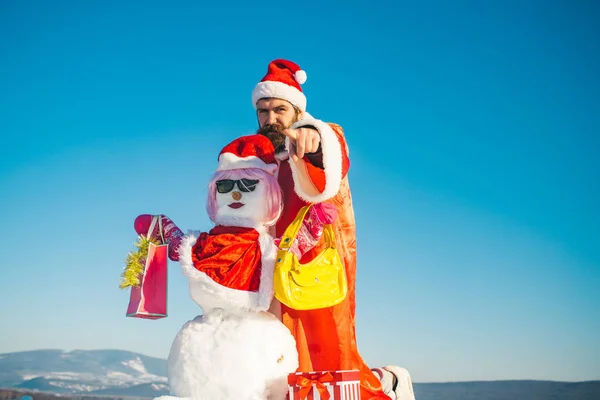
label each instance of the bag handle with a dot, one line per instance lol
(155, 219)
(329, 236)
(292, 230)
(287, 240)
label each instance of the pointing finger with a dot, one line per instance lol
(301, 143)
(291, 133)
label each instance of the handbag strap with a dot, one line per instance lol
(155, 219)
(287, 240)
(329, 235)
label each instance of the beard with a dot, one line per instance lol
(274, 132)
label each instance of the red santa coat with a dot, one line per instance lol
(326, 338)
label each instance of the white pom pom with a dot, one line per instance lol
(300, 76)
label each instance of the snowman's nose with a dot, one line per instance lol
(236, 195)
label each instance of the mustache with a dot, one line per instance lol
(271, 128)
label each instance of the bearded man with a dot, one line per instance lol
(313, 167)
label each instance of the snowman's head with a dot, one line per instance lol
(248, 197)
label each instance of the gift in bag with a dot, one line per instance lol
(324, 385)
(148, 299)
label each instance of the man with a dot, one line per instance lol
(313, 167)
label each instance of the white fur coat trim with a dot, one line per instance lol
(332, 163)
(199, 281)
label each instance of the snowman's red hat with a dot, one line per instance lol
(253, 151)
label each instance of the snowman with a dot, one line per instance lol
(236, 349)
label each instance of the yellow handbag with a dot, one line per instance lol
(319, 283)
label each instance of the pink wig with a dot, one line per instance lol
(274, 196)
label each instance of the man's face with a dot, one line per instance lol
(275, 115)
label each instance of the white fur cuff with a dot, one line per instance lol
(332, 164)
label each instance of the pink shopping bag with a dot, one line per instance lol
(149, 299)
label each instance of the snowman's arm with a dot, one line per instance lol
(318, 176)
(171, 233)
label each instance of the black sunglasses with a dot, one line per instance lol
(245, 185)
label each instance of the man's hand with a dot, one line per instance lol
(303, 140)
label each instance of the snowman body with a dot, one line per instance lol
(236, 349)
(232, 356)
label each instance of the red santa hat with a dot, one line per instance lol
(253, 151)
(282, 81)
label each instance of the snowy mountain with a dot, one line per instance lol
(122, 373)
(106, 372)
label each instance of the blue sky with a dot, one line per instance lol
(473, 131)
